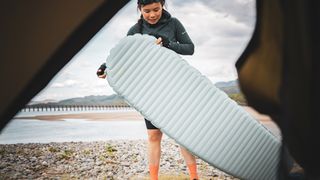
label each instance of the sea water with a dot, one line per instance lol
(39, 131)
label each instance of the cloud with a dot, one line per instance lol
(220, 31)
(241, 10)
(57, 85)
(66, 83)
(219, 39)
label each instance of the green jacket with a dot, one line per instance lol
(170, 29)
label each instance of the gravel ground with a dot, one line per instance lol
(121, 159)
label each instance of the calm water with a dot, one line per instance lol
(36, 131)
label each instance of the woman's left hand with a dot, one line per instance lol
(163, 41)
(159, 41)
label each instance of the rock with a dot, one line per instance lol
(44, 163)
(33, 159)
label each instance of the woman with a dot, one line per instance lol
(171, 34)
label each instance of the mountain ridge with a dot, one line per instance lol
(229, 87)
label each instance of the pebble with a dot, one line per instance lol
(120, 159)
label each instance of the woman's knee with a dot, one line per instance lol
(154, 135)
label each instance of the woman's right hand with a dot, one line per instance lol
(101, 71)
(102, 76)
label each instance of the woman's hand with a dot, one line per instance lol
(102, 76)
(159, 41)
(163, 41)
(101, 72)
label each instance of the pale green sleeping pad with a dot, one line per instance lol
(187, 107)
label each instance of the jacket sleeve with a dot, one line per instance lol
(133, 30)
(184, 45)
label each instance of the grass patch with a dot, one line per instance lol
(164, 177)
(110, 150)
(86, 152)
(52, 149)
(2, 152)
(66, 154)
(239, 98)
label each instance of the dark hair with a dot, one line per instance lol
(146, 2)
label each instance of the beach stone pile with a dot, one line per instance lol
(118, 159)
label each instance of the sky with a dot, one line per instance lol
(219, 29)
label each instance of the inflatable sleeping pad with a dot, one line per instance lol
(187, 107)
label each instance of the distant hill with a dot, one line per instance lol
(87, 101)
(94, 100)
(227, 84)
(231, 88)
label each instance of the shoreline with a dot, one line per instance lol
(103, 116)
(127, 115)
(136, 116)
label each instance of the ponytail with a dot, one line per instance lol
(144, 2)
(140, 24)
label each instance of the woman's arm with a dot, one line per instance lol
(184, 45)
(134, 30)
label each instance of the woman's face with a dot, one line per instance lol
(151, 12)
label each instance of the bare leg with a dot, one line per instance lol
(188, 157)
(154, 152)
(191, 163)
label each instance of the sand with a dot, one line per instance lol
(103, 116)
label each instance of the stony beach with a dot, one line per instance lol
(95, 160)
(114, 159)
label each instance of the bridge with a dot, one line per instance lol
(39, 108)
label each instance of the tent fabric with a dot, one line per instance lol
(279, 73)
(186, 106)
(292, 102)
(38, 38)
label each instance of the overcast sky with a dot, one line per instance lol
(220, 30)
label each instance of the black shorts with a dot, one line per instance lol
(149, 124)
